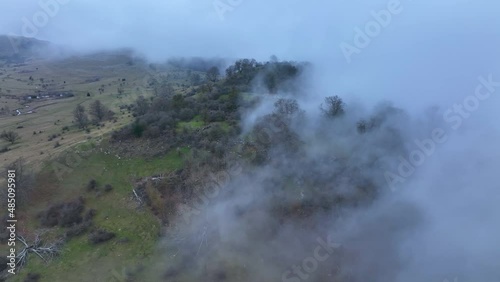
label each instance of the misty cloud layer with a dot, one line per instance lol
(431, 52)
(440, 224)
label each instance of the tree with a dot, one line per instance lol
(45, 251)
(195, 78)
(334, 106)
(99, 111)
(162, 87)
(286, 106)
(178, 102)
(80, 116)
(213, 74)
(270, 82)
(10, 136)
(141, 106)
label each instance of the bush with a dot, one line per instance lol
(92, 185)
(138, 128)
(32, 277)
(100, 236)
(62, 214)
(89, 215)
(108, 187)
(152, 132)
(10, 136)
(186, 114)
(70, 214)
(77, 230)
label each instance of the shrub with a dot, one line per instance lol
(62, 214)
(89, 215)
(100, 236)
(70, 214)
(10, 136)
(32, 277)
(108, 187)
(138, 128)
(78, 230)
(92, 185)
(152, 132)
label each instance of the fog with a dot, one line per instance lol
(441, 222)
(430, 52)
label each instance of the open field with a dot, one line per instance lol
(115, 80)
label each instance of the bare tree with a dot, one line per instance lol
(162, 87)
(80, 116)
(334, 106)
(141, 106)
(10, 136)
(286, 106)
(213, 74)
(99, 111)
(195, 78)
(44, 251)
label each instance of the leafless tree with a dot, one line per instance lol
(80, 116)
(99, 111)
(213, 74)
(162, 87)
(46, 251)
(10, 136)
(286, 106)
(334, 106)
(141, 106)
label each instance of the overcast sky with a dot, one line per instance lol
(430, 51)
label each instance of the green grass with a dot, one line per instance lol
(195, 123)
(116, 212)
(225, 126)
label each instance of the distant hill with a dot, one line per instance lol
(18, 49)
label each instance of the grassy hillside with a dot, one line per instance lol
(123, 178)
(48, 136)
